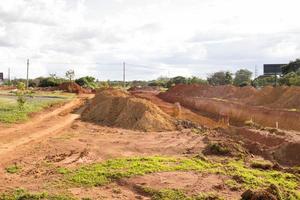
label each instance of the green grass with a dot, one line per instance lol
(103, 173)
(13, 169)
(20, 194)
(106, 172)
(11, 113)
(175, 194)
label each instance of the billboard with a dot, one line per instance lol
(1, 77)
(271, 69)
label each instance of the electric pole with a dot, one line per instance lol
(256, 71)
(8, 76)
(124, 78)
(27, 81)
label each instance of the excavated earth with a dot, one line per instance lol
(280, 146)
(117, 108)
(271, 107)
(118, 124)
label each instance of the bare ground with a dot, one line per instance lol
(59, 138)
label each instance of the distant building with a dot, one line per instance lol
(1, 78)
(273, 69)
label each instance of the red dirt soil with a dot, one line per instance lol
(72, 87)
(241, 104)
(117, 108)
(273, 97)
(168, 108)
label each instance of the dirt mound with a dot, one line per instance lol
(258, 195)
(71, 87)
(112, 107)
(144, 88)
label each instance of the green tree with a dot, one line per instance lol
(293, 66)
(176, 80)
(87, 81)
(220, 78)
(290, 79)
(196, 80)
(264, 81)
(242, 77)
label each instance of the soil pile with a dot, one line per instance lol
(144, 89)
(112, 107)
(71, 87)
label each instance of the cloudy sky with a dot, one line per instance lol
(155, 37)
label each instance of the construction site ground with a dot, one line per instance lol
(45, 151)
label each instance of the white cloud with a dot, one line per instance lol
(175, 37)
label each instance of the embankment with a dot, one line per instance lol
(234, 102)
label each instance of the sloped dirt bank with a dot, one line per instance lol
(282, 97)
(118, 108)
(237, 112)
(283, 149)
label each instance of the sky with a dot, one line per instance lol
(153, 37)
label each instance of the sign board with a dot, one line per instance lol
(1, 77)
(272, 69)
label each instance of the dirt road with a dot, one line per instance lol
(40, 126)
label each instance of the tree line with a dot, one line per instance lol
(242, 77)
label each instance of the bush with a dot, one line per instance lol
(87, 82)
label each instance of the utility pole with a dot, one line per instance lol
(8, 76)
(27, 81)
(256, 71)
(124, 75)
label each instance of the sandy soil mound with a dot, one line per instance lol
(71, 87)
(118, 108)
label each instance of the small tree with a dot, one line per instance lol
(21, 94)
(176, 80)
(87, 81)
(293, 66)
(242, 77)
(220, 78)
(70, 74)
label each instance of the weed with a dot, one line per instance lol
(175, 194)
(217, 149)
(13, 169)
(63, 170)
(21, 194)
(261, 164)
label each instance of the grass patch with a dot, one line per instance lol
(261, 164)
(106, 172)
(13, 169)
(20, 194)
(11, 113)
(174, 194)
(103, 173)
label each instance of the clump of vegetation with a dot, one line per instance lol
(21, 94)
(233, 184)
(261, 164)
(175, 194)
(21, 194)
(87, 82)
(217, 149)
(13, 169)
